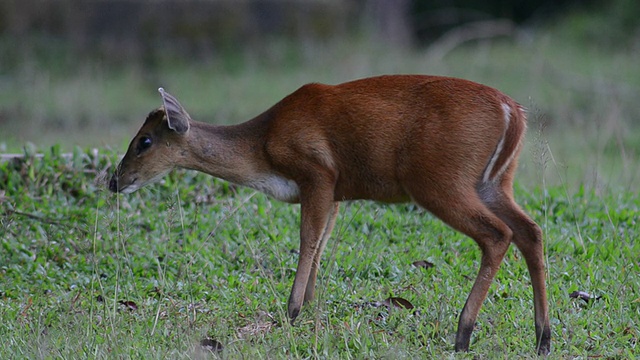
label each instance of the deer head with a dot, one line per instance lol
(153, 151)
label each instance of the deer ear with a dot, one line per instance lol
(177, 116)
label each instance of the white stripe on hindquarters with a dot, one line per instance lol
(486, 177)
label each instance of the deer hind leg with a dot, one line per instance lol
(309, 293)
(528, 238)
(465, 212)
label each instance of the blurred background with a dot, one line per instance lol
(85, 73)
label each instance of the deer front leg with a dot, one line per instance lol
(309, 294)
(316, 211)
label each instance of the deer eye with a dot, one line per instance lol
(144, 143)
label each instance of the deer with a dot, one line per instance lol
(449, 145)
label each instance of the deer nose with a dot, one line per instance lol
(113, 184)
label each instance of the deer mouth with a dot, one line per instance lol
(116, 186)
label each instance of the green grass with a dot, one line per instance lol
(201, 258)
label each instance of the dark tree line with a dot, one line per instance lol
(203, 28)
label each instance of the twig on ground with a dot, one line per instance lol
(44, 220)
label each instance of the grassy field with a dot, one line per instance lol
(88, 274)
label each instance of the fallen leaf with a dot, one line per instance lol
(211, 345)
(129, 305)
(398, 303)
(423, 264)
(584, 296)
(256, 328)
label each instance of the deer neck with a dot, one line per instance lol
(233, 153)
(237, 154)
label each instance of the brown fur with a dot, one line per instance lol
(390, 138)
